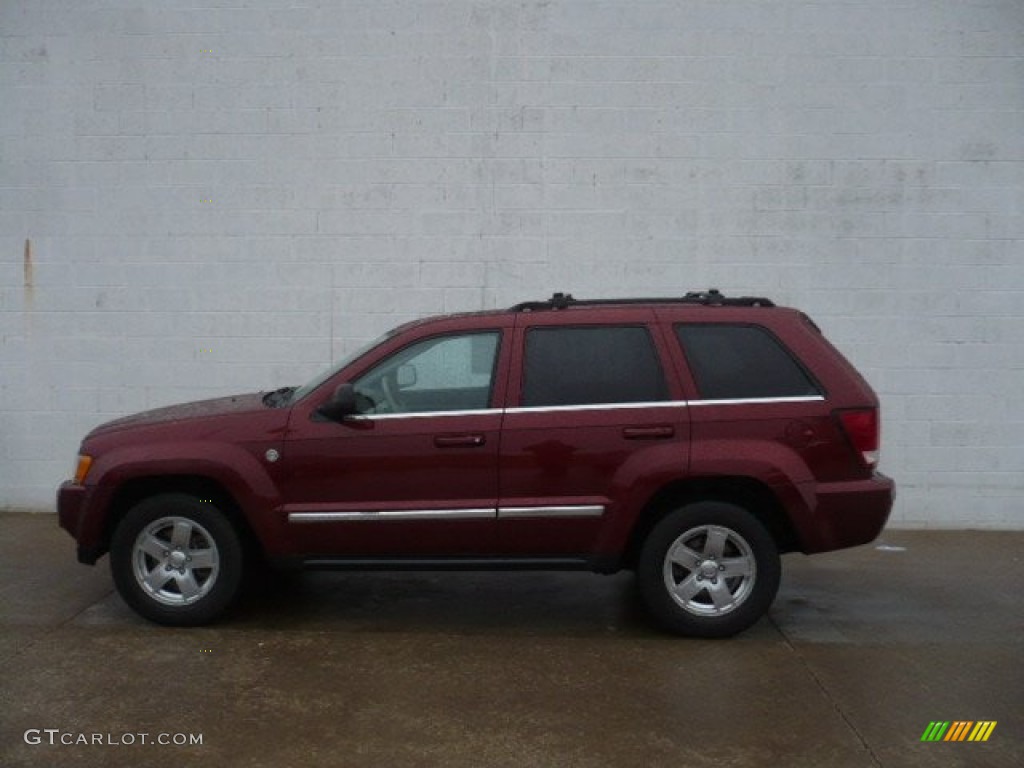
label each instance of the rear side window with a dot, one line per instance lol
(732, 362)
(592, 365)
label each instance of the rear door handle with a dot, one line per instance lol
(459, 441)
(659, 432)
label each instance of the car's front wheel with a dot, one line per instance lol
(708, 569)
(176, 560)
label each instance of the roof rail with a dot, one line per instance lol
(710, 298)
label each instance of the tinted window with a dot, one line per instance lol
(584, 366)
(444, 373)
(741, 361)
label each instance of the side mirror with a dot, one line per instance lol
(341, 404)
(406, 376)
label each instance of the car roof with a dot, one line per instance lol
(709, 298)
(560, 302)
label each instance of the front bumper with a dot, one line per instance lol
(72, 501)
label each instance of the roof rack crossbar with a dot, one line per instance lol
(710, 298)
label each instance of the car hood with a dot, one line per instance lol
(200, 409)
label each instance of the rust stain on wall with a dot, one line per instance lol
(29, 287)
(28, 267)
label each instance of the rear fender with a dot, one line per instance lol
(636, 481)
(771, 463)
(641, 479)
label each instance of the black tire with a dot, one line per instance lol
(724, 570)
(176, 560)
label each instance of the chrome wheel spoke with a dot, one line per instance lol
(684, 557)
(187, 584)
(157, 578)
(203, 558)
(688, 588)
(153, 547)
(714, 546)
(182, 534)
(735, 566)
(720, 594)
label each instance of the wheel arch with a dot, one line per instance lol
(753, 495)
(135, 489)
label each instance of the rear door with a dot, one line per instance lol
(588, 400)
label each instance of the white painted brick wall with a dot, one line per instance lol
(226, 196)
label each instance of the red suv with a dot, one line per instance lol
(691, 439)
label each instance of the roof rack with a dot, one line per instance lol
(710, 298)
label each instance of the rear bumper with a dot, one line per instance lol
(849, 514)
(71, 504)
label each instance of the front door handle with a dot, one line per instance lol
(459, 441)
(659, 432)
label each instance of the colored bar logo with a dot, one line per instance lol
(958, 730)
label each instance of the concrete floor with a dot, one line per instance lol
(861, 651)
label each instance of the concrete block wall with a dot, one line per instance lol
(200, 198)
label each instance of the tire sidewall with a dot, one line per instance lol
(229, 551)
(650, 570)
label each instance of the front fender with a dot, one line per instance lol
(234, 468)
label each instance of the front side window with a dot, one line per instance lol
(442, 373)
(732, 362)
(591, 365)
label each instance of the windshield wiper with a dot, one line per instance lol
(278, 397)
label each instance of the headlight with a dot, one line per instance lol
(84, 463)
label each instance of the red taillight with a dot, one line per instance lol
(862, 427)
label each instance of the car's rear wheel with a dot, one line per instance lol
(176, 560)
(709, 569)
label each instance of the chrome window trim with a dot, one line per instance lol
(590, 407)
(423, 414)
(582, 510)
(597, 406)
(759, 400)
(377, 515)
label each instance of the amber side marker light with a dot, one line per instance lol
(84, 463)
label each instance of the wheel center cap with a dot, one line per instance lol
(177, 559)
(708, 569)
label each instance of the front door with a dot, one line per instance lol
(415, 472)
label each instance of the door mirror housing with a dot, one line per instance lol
(406, 376)
(341, 404)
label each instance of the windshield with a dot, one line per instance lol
(320, 378)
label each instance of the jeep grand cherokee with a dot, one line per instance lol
(691, 440)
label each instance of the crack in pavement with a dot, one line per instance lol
(825, 692)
